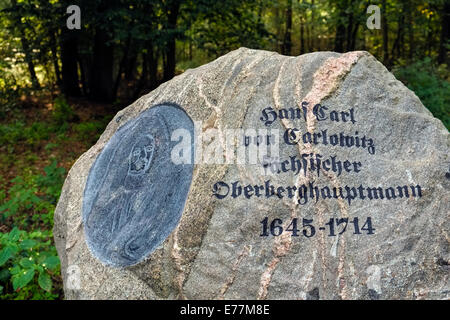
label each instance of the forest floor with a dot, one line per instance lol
(64, 140)
(40, 140)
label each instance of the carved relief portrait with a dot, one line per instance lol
(135, 194)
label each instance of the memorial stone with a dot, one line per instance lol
(262, 176)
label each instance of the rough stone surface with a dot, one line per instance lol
(216, 250)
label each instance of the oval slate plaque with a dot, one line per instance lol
(135, 194)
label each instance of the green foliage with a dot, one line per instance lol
(221, 26)
(62, 112)
(28, 259)
(51, 146)
(22, 197)
(37, 132)
(51, 183)
(425, 79)
(8, 93)
(32, 199)
(89, 132)
(12, 134)
(18, 132)
(28, 262)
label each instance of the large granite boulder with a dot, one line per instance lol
(262, 176)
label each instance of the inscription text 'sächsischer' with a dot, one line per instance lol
(263, 176)
(126, 213)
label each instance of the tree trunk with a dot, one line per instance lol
(352, 40)
(442, 57)
(30, 63)
(278, 28)
(385, 28)
(25, 46)
(190, 50)
(313, 36)
(349, 30)
(287, 40)
(429, 33)
(307, 27)
(122, 66)
(101, 80)
(409, 17)
(130, 68)
(101, 84)
(152, 57)
(339, 39)
(83, 76)
(53, 48)
(143, 79)
(172, 15)
(302, 36)
(354, 30)
(69, 49)
(395, 51)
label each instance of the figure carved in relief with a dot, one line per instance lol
(135, 194)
